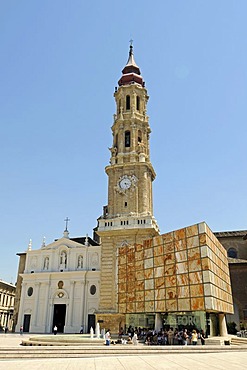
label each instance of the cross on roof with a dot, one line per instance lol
(66, 223)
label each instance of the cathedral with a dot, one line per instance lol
(128, 274)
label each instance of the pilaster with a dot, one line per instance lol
(20, 315)
(36, 300)
(70, 307)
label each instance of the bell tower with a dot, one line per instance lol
(130, 173)
(128, 216)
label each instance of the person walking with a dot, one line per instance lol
(108, 337)
(21, 330)
(135, 339)
(55, 330)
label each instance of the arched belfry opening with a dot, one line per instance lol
(127, 102)
(137, 103)
(127, 139)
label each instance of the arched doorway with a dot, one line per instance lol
(59, 314)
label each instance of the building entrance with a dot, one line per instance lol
(26, 323)
(59, 317)
(91, 322)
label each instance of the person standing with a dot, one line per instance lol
(194, 337)
(202, 336)
(170, 336)
(107, 337)
(55, 330)
(21, 330)
(185, 337)
(121, 333)
(135, 339)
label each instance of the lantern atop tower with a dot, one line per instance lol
(131, 72)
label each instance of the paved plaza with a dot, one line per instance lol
(229, 360)
(222, 360)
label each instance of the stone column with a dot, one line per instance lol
(71, 298)
(50, 316)
(46, 306)
(121, 139)
(81, 315)
(20, 313)
(222, 325)
(1, 317)
(85, 313)
(158, 322)
(5, 320)
(36, 305)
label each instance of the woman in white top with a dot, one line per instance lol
(194, 337)
(107, 337)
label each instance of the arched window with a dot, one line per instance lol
(139, 136)
(119, 106)
(127, 102)
(127, 139)
(137, 103)
(232, 253)
(116, 141)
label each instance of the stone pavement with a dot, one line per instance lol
(228, 360)
(222, 360)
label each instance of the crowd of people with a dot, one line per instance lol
(175, 337)
(165, 336)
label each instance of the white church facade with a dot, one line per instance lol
(60, 286)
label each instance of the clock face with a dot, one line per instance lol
(125, 183)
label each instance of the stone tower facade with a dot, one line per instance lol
(128, 217)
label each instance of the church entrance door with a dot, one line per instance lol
(59, 317)
(26, 323)
(91, 323)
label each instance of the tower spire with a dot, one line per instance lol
(131, 72)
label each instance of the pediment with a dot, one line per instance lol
(63, 242)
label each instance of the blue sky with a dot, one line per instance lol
(60, 62)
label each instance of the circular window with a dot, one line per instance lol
(92, 289)
(232, 253)
(30, 291)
